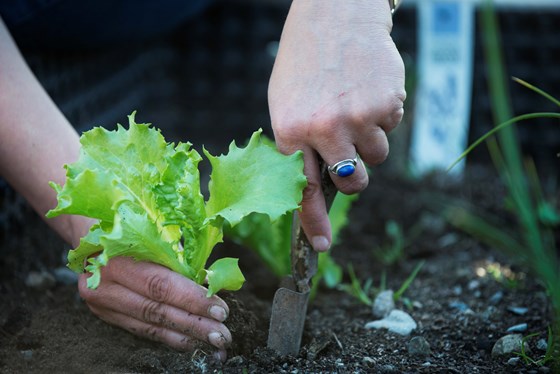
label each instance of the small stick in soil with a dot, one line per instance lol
(338, 342)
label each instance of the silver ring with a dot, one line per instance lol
(344, 168)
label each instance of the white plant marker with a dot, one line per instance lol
(443, 95)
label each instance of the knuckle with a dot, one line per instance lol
(393, 110)
(153, 311)
(379, 155)
(353, 186)
(324, 129)
(378, 151)
(159, 288)
(311, 191)
(152, 332)
(288, 130)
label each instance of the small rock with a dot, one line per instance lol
(397, 321)
(496, 298)
(447, 240)
(473, 285)
(27, 354)
(542, 345)
(316, 346)
(368, 360)
(237, 360)
(513, 361)
(388, 368)
(384, 303)
(518, 328)
(490, 313)
(417, 304)
(508, 345)
(518, 310)
(459, 305)
(418, 346)
(65, 276)
(433, 223)
(40, 281)
(544, 369)
(457, 290)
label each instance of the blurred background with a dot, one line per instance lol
(206, 81)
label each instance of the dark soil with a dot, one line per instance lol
(53, 331)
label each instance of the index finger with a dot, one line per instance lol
(313, 215)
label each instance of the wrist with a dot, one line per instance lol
(354, 12)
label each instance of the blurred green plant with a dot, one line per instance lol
(392, 250)
(355, 288)
(532, 241)
(365, 293)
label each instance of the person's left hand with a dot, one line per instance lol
(154, 302)
(336, 90)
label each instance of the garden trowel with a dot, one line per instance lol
(289, 306)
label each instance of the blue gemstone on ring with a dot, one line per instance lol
(345, 170)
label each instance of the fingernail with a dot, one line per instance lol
(320, 243)
(218, 313)
(216, 339)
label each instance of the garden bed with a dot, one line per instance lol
(463, 300)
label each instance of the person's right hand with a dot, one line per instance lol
(154, 302)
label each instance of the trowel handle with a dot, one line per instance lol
(304, 258)
(327, 184)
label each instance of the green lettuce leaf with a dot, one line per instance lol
(145, 194)
(271, 239)
(224, 274)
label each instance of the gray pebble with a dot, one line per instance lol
(496, 298)
(65, 276)
(513, 361)
(518, 310)
(397, 321)
(383, 304)
(473, 285)
(459, 305)
(40, 281)
(27, 354)
(418, 346)
(518, 328)
(388, 368)
(508, 344)
(490, 313)
(542, 345)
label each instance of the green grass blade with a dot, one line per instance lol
(408, 281)
(501, 126)
(537, 90)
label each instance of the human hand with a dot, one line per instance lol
(336, 90)
(154, 302)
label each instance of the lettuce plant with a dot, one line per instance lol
(145, 194)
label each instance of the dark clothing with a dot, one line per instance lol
(72, 24)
